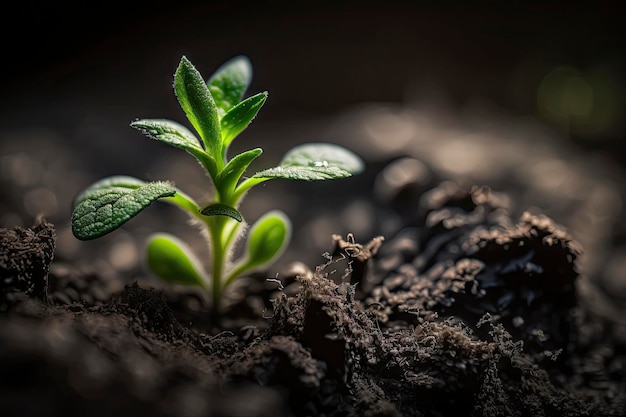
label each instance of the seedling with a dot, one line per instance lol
(218, 115)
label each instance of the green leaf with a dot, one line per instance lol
(121, 181)
(111, 202)
(228, 178)
(172, 260)
(196, 100)
(315, 161)
(323, 155)
(229, 82)
(177, 135)
(239, 117)
(168, 131)
(268, 239)
(218, 209)
(303, 173)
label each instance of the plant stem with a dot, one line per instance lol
(219, 252)
(245, 185)
(186, 203)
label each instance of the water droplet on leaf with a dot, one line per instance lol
(319, 164)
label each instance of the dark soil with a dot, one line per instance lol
(466, 310)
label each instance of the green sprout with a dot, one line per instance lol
(218, 113)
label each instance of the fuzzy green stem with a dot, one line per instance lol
(222, 238)
(235, 273)
(186, 203)
(208, 162)
(219, 252)
(245, 185)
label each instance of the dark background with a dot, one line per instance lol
(315, 59)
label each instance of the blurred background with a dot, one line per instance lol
(525, 97)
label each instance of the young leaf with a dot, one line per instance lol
(196, 100)
(168, 131)
(177, 135)
(315, 161)
(173, 262)
(232, 172)
(121, 181)
(268, 239)
(303, 173)
(239, 117)
(110, 203)
(218, 209)
(229, 82)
